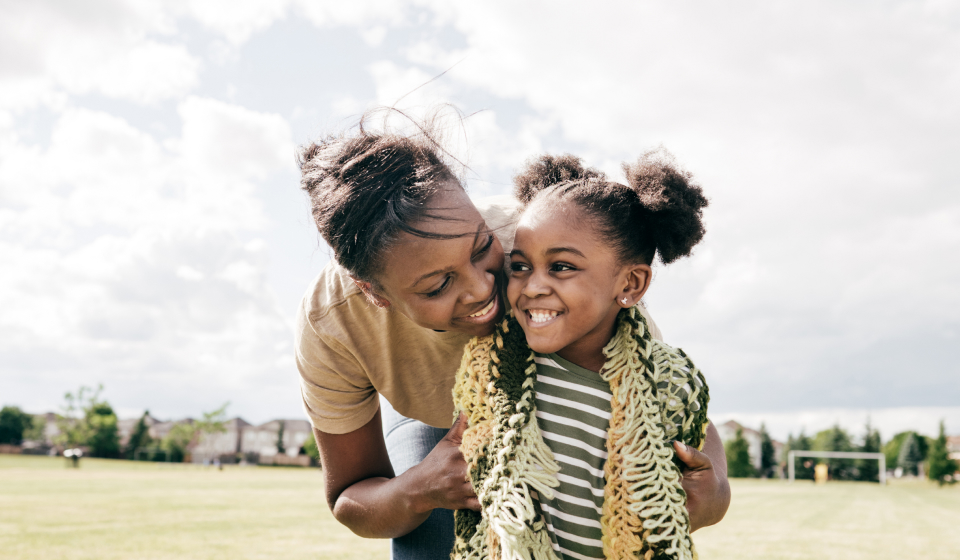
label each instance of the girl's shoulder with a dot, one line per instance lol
(683, 393)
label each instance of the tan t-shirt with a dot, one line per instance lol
(348, 350)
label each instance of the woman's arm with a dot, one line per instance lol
(705, 480)
(364, 494)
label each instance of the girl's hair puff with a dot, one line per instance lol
(368, 187)
(658, 212)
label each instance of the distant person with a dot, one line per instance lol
(576, 411)
(418, 272)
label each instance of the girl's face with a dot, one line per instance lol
(566, 285)
(446, 284)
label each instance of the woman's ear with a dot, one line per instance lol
(372, 296)
(636, 280)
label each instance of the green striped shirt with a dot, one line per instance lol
(573, 412)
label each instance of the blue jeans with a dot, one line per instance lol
(408, 442)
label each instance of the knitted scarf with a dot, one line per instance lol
(658, 396)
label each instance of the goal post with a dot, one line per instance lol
(792, 456)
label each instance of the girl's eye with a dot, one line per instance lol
(484, 249)
(561, 267)
(438, 291)
(518, 267)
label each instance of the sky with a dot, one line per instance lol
(153, 237)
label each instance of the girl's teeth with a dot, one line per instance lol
(541, 316)
(485, 310)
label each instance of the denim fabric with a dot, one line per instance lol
(408, 442)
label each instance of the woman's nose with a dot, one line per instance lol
(481, 284)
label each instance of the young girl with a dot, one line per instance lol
(573, 407)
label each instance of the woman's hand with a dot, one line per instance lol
(443, 473)
(366, 496)
(705, 480)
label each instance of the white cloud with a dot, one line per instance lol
(135, 264)
(111, 48)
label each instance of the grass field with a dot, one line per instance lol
(123, 510)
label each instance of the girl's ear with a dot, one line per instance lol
(372, 296)
(636, 280)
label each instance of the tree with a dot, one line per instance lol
(178, 440)
(104, 439)
(868, 469)
(13, 422)
(280, 448)
(738, 457)
(910, 455)
(181, 436)
(139, 438)
(892, 448)
(768, 455)
(803, 470)
(310, 449)
(941, 466)
(89, 421)
(836, 439)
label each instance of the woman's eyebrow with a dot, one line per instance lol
(482, 227)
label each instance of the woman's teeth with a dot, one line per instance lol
(541, 316)
(485, 310)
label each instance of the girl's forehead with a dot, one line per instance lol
(545, 213)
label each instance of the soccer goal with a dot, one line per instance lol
(792, 459)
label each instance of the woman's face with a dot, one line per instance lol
(447, 284)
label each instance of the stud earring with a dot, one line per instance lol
(624, 300)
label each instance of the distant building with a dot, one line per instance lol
(728, 431)
(953, 447)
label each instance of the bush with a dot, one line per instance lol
(13, 422)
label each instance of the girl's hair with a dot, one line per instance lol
(658, 212)
(366, 188)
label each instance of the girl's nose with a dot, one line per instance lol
(535, 286)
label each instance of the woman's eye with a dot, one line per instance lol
(485, 248)
(438, 291)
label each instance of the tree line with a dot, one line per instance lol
(88, 421)
(907, 450)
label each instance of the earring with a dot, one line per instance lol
(624, 300)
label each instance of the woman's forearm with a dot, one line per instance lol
(367, 498)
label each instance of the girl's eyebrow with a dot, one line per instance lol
(555, 250)
(551, 251)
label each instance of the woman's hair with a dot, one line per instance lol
(658, 212)
(366, 188)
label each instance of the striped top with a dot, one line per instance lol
(573, 413)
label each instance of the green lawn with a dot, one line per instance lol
(117, 509)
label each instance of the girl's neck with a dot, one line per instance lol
(587, 352)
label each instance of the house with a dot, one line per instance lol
(953, 447)
(728, 431)
(245, 442)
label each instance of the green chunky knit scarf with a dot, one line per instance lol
(658, 396)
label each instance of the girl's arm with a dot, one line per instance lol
(705, 480)
(364, 494)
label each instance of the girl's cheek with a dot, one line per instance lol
(514, 287)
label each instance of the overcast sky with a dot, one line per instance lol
(153, 238)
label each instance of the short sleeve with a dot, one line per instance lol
(338, 396)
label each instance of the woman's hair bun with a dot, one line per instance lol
(547, 171)
(673, 202)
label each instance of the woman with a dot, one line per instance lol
(418, 271)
